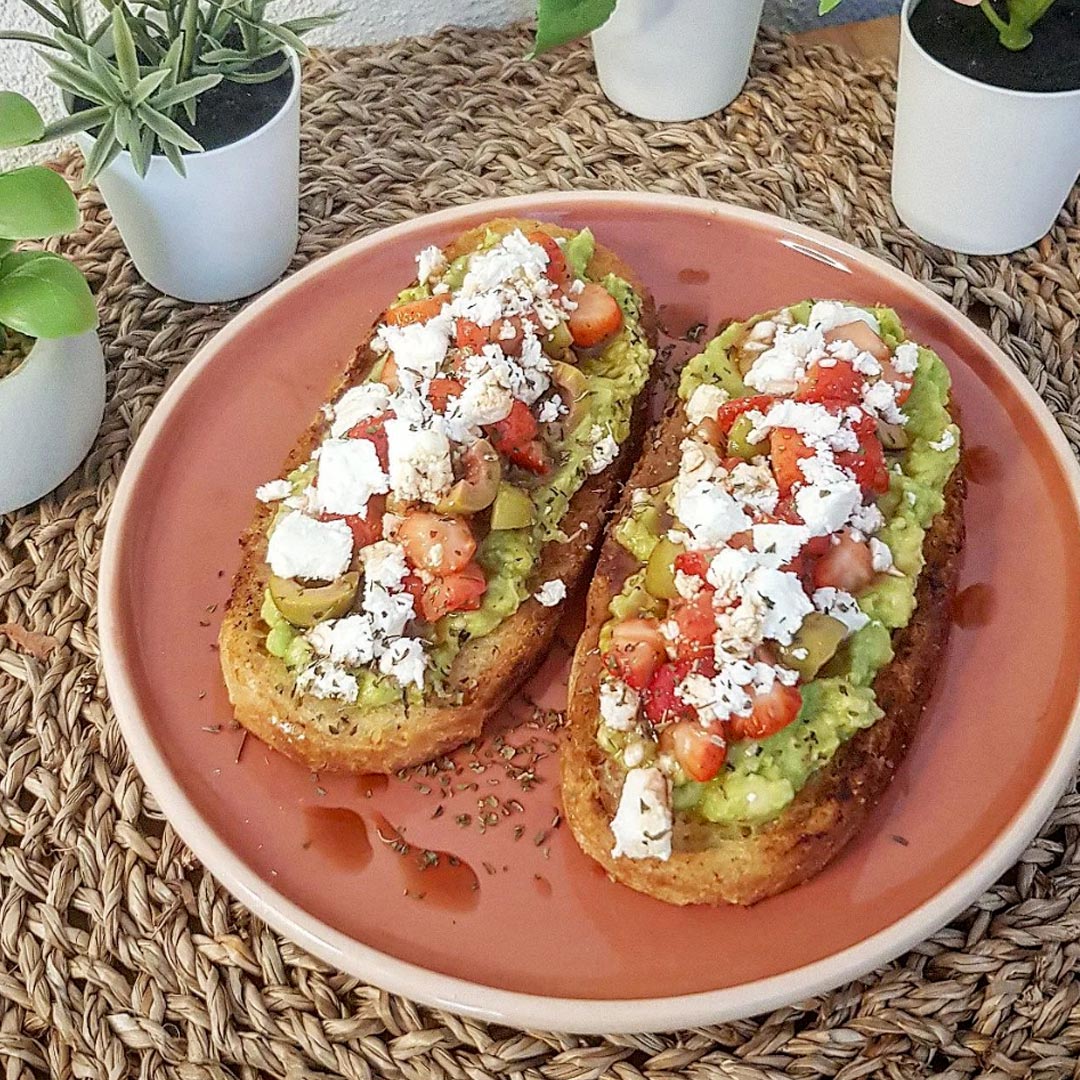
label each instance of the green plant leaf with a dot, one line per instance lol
(5, 247)
(148, 84)
(76, 79)
(286, 36)
(560, 21)
(189, 88)
(28, 36)
(141, 147)
(176, 159)
(251, 78)
(167, 130)
(44, 296)
(20, 122)
(311, 22)
(78, 121)
(106, 74)
(35, 203)
(105, 148)
(825, 6)
(127, 62)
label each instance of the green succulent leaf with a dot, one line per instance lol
(167, 130)
(76, 79)
(175, 158)
(148, 84)
(127, 61)
(20, 122)
(35, 203)
(141, 147)
(185, 91)
(107, 75)
(28, 36)
(78, 121)
(560, 21)
(44, 296)
(825, 6)
(251, 78)
(103, 152)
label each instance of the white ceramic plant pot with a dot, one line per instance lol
(227, 229)
(978, 168)
(676, 59)
(50, 411)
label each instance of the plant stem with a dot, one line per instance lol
(188, 29)
(998, 22)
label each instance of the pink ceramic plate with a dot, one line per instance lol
(547, 941)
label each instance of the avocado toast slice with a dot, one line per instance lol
(769, 610)
(403, 575)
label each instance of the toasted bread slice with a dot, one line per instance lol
(326, 734)
(711, 863)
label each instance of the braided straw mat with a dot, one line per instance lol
(120, 955)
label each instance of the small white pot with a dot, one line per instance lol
(50, 411)
(978, 168)
(227, 229)
(676, 59)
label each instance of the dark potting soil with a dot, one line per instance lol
(963, 39)
(230, 111)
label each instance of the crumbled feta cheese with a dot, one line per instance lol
(418, 348)
(327, 680)
(828, 498)
(551, 410)
(484, 400)
(643, 823)
(634, 754)
(881, 557)
(879, 398)
(841, 606)
(605, 449)
(429, 263)
(868, 519)
(390, 612)
(302, 547)
(619, 705)
(551, 593)
(514, 256)
(711, 514)
(420, 465)
(905, 358)
(349, 474)
(812, 421)
(946, 442)
(754, 486)
(781, 540)
(779, 369)
(384, 564)
(687, 585)
(728, 569)
(273, 491)
(404, 661)
(786, 602)
(349, 640)
(358, 403)
(705, 403)
(829, 314)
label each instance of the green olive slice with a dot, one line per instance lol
(573, 389)
(476, 490)
(513, 508)
(306, 605)
(660, 569)
(814, 644)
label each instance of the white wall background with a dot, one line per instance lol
(363, 21)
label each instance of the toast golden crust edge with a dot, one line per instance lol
(393, 737)
(708, 864)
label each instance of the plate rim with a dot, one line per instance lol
(585, 1016)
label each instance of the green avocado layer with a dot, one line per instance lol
(615, 378)
(761, 778)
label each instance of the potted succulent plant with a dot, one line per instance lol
(659, 59)
(987, 142)
(52, 371)
(189, 117)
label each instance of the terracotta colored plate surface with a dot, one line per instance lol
(546, 940)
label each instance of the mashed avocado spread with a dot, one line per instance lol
(614, 378)
(759, 778)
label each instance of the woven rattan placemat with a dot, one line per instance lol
(119, 955)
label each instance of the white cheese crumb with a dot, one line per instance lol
(349, 474)
(418, 348)
(786, 602)
(841, 606)
(779, 369)
(605, 449)
(328, 680)
(829, 314)
(881, 558)
(430, 262)
(781, 540)
(405, 662)
(384, 564)
(302, 547)
(879, 398)
(619, 705)
(829, 497)
(906, 358)
(643, 823)
(946, 442)
(551, 410)
(420, 465)
(634, 754)
(359, 403)
(705, 403)
(273, 490)
(551, 592)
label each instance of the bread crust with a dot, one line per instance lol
(710, 863)
(330, 735)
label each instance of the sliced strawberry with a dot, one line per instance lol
(374, 430)
(696, 621)
(442, 544)
(694, 563)
(659, 698)
(557, 271)
(786, 450)
(469, 336)
(367, 527)
(862, 337)
(839, 383)
(440, 391)
(461, 591)
(508, 334)
(901, 383)
(515, 437)
(699, 750)
(772, 711)
(637, 650)
(847, 565)
(730, 411)
(596, 318)
(867, 464)
(415, 311)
